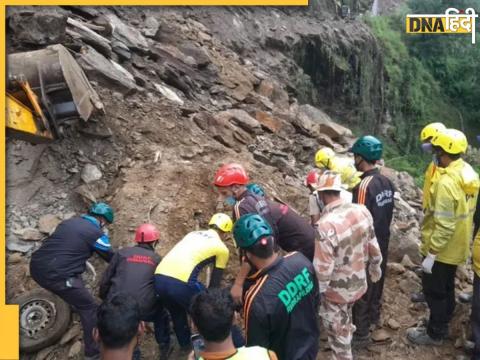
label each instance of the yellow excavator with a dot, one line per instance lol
(45, 88)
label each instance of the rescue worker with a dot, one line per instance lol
(292, 232)
(119, 327)
(341, 260)
(280, 309)
(59, 263)
(426, 136)
(446, 233)
(376, 192)
(256, 189)
(315, 205)
(212, 312)
(326, 159)
(131, 272)
(176, 277)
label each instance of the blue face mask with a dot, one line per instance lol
(435, 159)
(230, 200)
(427, 148)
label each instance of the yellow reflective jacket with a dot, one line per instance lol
(476, 254)
(350, 176)
(447, 225)
(430, 175)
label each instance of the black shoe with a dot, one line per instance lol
(360, 342)
(417, 297)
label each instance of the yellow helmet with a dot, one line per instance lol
(431, 130)
(222, 222)
(323, 157)
(452, 141)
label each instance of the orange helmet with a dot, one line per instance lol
(231, 174)
(146, 233)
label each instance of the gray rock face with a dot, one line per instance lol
(39, 28)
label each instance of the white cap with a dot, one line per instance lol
(330, 180)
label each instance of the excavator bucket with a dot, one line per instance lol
(51, 85)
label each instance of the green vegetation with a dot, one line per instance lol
(428, 78)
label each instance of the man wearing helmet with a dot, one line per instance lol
(176, 277)
(376, 192)
(281, 308)
(446, 233)
(131, 272)
(292, 232)
(59, 263)
(326, 159)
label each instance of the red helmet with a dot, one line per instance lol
(312, 178)
(231, 174)
(146, 233)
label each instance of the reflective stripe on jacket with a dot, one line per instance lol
(447, 225)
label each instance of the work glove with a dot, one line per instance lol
(428, 262)
(375, 272)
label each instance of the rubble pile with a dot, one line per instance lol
(180, 100)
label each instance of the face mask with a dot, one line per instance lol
(230, 200)
(435, 159)
(427, 148)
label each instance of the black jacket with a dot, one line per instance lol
(292, 232)
(476, 219)
(65, 253)
(376, 192)
(131, 271)
(281, 309)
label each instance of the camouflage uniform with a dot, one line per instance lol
(347, 243)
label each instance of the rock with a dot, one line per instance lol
(48, 223)
(72, 333)
(169, 93)
(151, 27)
(407, 262)
(409, 286)
(127, 34)
(75, 350)
(121, 50)
(273, 91)
(327, 125)
(43, 354)
(29, 234)
(39, 27)
(90, 173)
(393, 324)
(14, 258)
(402, 244)
(68, 215)
(199, 54)
(241, 119)
(462, 274)
(107, 72)
(15, 244)
(380, 335)
(395, 268)
(269, 122)
(89, 36)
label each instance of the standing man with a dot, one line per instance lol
(61, 260)
(292, 232)
(315, 205)
(326, 159)
(281, 308)
(347, 245)
(376, 192)
(131, 272)
(176, 277)
(446, 233)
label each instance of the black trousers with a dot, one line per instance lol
(475, 320)
(366, 310)
(75, 294)
(439, 291)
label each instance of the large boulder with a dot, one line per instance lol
(38, 27)
(326, 125)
